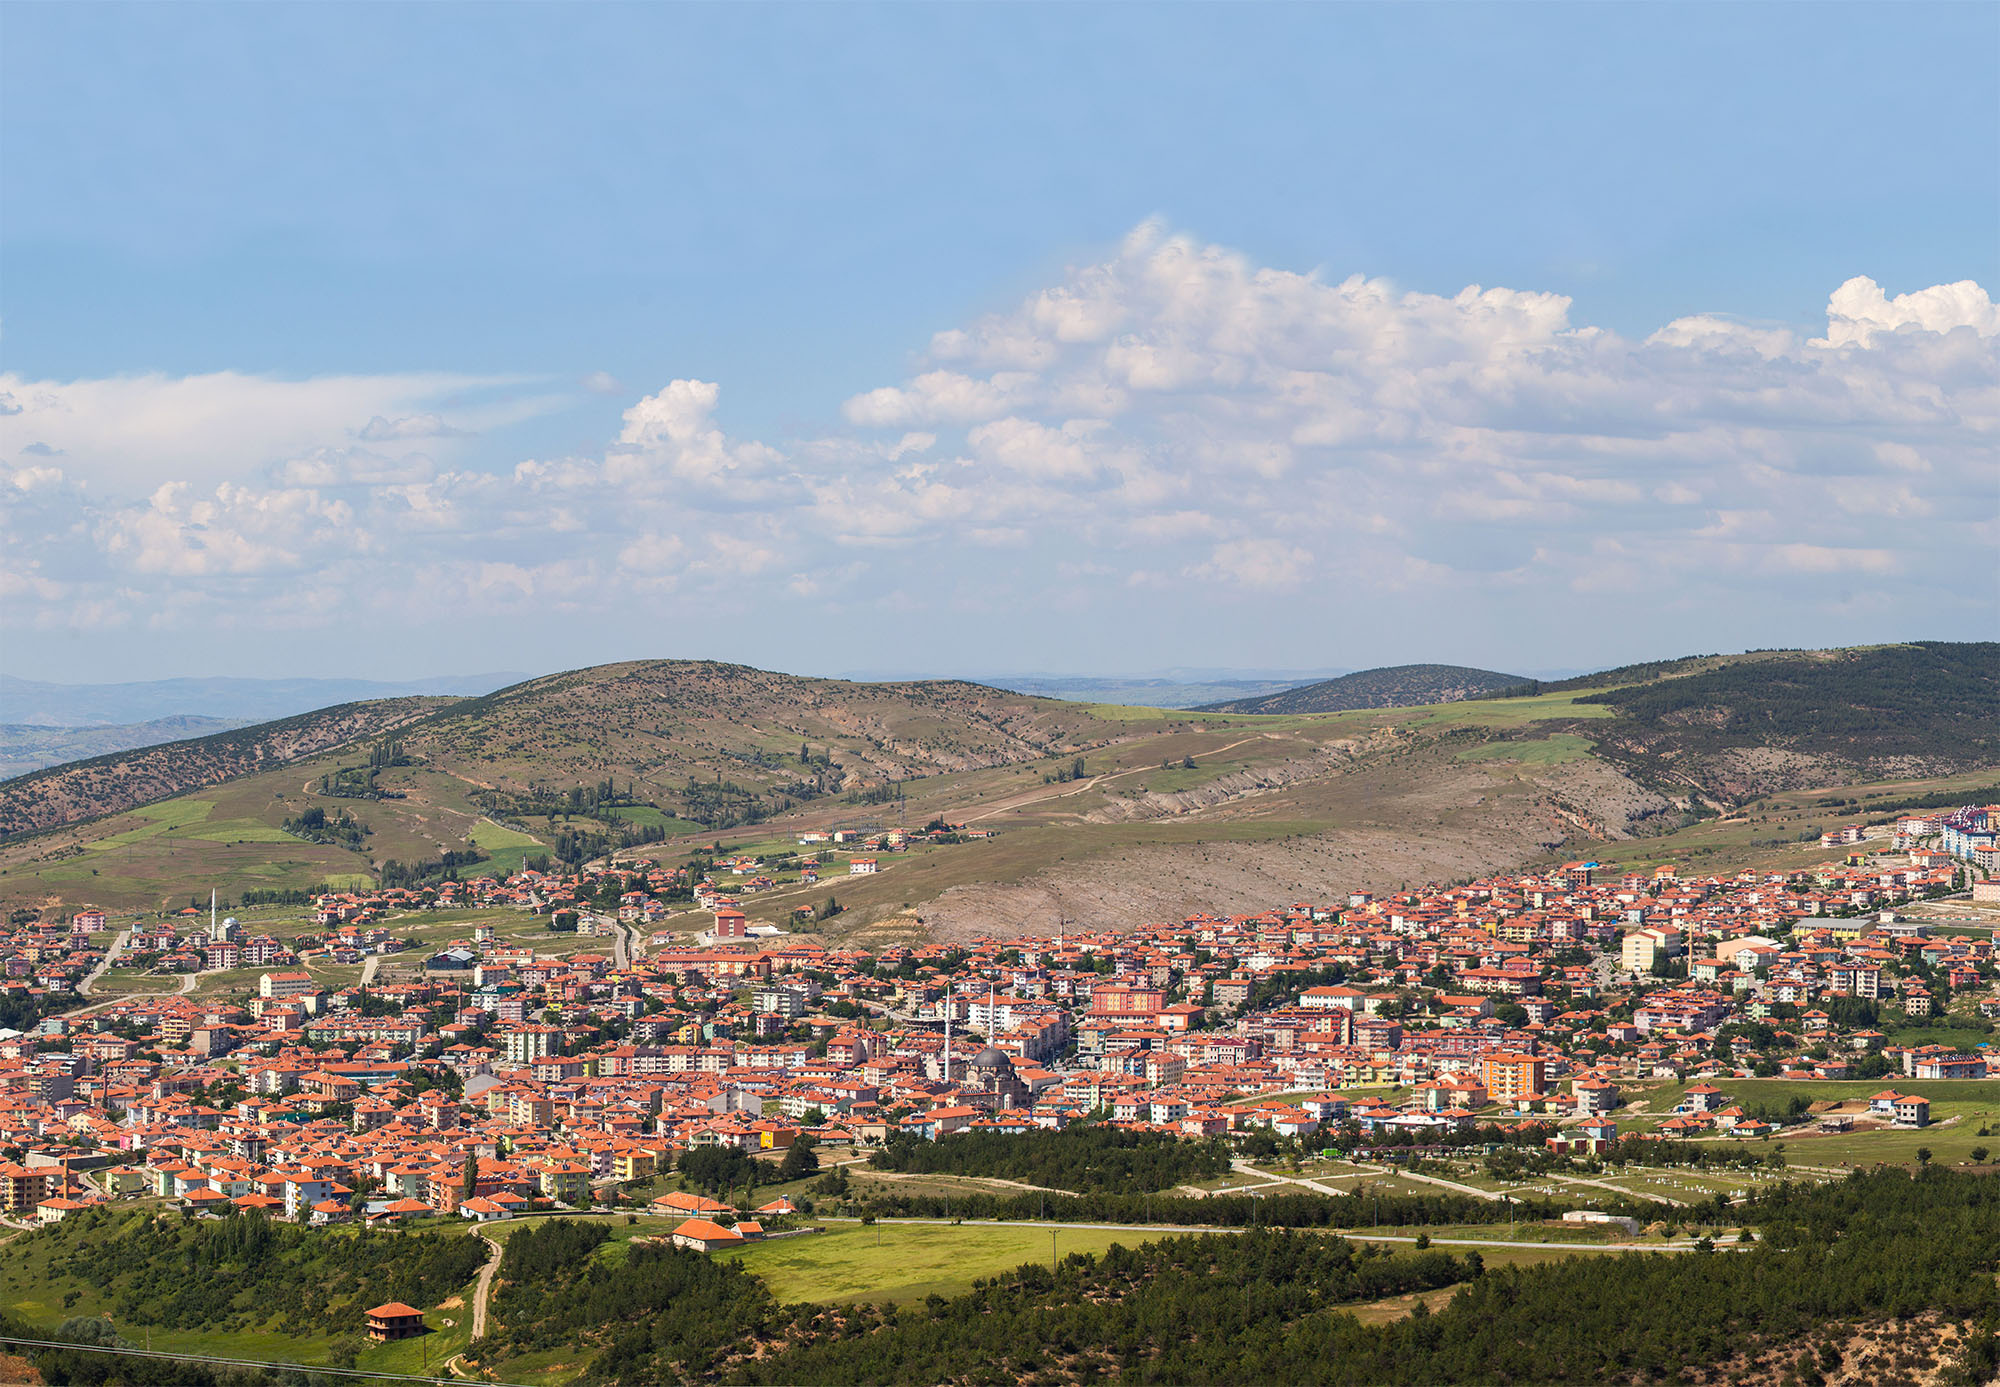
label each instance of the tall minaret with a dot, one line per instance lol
(211, 914)
(944, 1066)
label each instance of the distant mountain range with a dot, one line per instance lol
(30, 702)
(1397, 686)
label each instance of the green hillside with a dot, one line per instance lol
(1396, 686)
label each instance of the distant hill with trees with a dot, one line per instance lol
(1395, 686)
(1781, 720)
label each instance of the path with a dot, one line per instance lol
(368, 969)
(485, 1281)
(1242, 1167)
(1615, 1189)
(104, 965)
(1440, 1181)
(1021, 801)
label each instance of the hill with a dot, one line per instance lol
(1098, 813)
(123, 780)
(1396, 686)
(715, 744)
(1735, 728)
(28, 747)
(32, 701)
(1162, 691)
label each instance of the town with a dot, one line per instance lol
(537, 1042)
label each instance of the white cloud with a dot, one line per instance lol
(1263, 564)
(137, 431)
(380, 430)
(1859, 310)
(1173, 419)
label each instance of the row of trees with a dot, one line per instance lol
(1087, 1158)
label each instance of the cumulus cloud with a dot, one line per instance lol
(1860, 309)
(1174, 421)
(136, 431)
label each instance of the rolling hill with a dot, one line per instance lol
(1396, 686)
(123, 780)
(1737, 727)
(717, 743)
(28, 747)
(1109, 814)
(38, 703)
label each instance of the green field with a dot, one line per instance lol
(507, 849)
(907, 1261)
(646, 816)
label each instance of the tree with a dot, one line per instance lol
(800, 1160)
(1923, 1155)
(468, 1184)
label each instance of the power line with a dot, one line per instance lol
(266, 1364)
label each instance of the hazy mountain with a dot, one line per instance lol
(34, 703)
(1173, 689)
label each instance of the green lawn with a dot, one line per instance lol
(907, 1261)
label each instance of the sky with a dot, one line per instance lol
(393, 341)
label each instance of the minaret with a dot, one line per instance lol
(211, 914)
(944, 1066)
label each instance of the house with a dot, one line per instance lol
(394, 1321)
(699, 1235)
(1701, 1098)
(1906, 1109)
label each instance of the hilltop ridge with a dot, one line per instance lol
(1393, 686)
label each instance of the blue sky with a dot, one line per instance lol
(234, 236)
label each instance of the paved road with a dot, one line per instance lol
(110, 956)
(368, 968)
